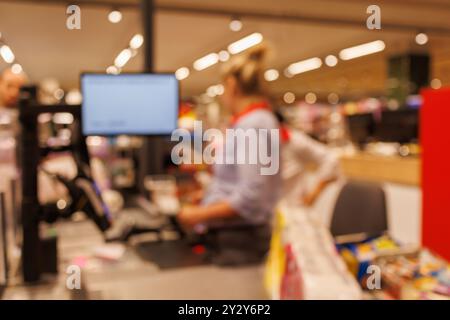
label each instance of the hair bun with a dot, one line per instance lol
(258, 53)
(248, 70)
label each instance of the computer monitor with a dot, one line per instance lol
(361, 128)
(398, 126)
(129, 104)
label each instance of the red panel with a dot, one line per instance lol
(435, 141)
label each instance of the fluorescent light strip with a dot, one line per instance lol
(271, 75)
(123, 58)
(206, 62)
(7, 54)
(362, 50)
(304, 66)
(216, 90)
(137, 41)
(16, 68)
(182, 73)
(245, 43)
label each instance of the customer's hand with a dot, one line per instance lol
(196, 196)
(190, 216)
(309, 199)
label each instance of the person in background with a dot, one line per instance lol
(298, 152)
(238, 206)
(10, 84)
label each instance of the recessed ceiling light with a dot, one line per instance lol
(421, 39)
(310, 98)
(436, 83)
(115, 16)
(333, 98)
(271, 75)
(16, 68)
(289, 97)
(224, 55)
(331, 60)
(235, 25)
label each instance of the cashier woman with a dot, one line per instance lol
(238, 206)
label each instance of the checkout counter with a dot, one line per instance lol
(400, 178)
(117, 270)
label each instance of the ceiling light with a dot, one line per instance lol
(123, 58)
(224, 55)
(16, 68)
(216, 90)
(421, 39)
(134, 52)
(219, 89)
(245, 43)
(331, 60)
(304, 66)
(289, 97)
(310, 98)
(271, 75)
(333, 98)
(206, 62)
(137, 41)
(182, 73)
(61, 204)
(59, 94)
(362, 50)
(74, 97)
(112, 70)
(63, 118)
(436, 83)
(115, 16)
(7, 54)
(211, 92)
(287, 74)
(235, 25)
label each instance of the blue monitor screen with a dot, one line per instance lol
(133, 104)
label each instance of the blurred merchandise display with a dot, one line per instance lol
(406, 272)
(303, 260)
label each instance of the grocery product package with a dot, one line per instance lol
(313, 269)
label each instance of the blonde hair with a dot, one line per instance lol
(248, 70)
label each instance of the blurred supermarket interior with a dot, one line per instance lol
(374, 97)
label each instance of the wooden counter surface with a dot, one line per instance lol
(394, 169)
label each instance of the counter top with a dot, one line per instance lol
(395, 169)
(131, 277)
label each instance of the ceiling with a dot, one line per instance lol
(294, 30)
